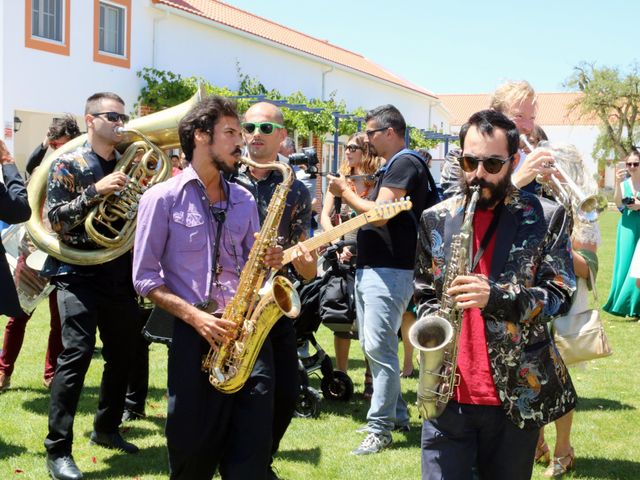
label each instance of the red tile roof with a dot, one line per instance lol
(553, 108)
(242, 20)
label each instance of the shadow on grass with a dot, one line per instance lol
(7, 450)
(596, 404)
(88, 399)
(606, 468)
(310, 455)
(145, 462)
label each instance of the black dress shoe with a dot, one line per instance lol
(63, 468)
(113, 441)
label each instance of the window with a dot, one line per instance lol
(112, 29)
(112, 32)
(47, 25)
(46, 19)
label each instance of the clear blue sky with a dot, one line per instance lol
(467, 46)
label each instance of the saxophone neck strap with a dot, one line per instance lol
(493, 226)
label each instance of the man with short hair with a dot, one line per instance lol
(510, 379)
(516, 100)
(263, 131)
(384, 268)
(194, 235)
(60, 132)
(89, 297)
(287, 147)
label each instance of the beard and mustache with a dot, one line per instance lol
(223, 166)
(497, 191)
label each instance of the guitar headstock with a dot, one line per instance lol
(387, 210)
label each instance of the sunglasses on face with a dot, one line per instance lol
(352, 148)
(492, 165)
(266, 128)
(370, 133)
(633, 164)
(113, 116)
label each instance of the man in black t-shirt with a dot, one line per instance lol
(386, 258)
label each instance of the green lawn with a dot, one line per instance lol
(606, 433)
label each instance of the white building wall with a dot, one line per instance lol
(33, 81)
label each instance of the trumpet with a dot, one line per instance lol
(568, 193)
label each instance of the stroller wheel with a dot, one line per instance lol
(308, 404)
(337, 386)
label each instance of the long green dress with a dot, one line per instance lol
(624, 296)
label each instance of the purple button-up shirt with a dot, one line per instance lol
(175, 236)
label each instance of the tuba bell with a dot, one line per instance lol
(111, 223)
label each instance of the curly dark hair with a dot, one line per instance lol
(203, 116)
(63, 127)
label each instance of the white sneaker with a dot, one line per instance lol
(373, 443)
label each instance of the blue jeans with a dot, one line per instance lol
(382, 296)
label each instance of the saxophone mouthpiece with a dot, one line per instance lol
(120, 130)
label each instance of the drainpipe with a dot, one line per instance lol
(324, 74)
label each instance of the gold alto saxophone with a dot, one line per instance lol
(254, 309)
(437, 335)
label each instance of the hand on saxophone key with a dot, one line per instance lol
(470, 291)
(213, 329)
(274, 256)
(114, 182)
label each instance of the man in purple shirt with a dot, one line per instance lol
(179, 222)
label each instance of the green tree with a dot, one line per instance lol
(614, 97)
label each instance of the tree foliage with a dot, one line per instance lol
(614, 97)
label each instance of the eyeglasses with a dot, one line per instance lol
(266, 128)
(352, 148)
(370, 133)
(492, 165)
(113, 116)
(633, 164)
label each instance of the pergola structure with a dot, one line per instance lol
(337, 116)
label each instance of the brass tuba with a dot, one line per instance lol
(111, 223)
(254, 309)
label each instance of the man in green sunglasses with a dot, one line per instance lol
(263, 131)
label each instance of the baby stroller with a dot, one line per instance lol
(329, 300)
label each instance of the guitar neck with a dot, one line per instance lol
(327, 236)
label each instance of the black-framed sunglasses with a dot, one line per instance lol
(633, 164)
(353, 148)
(369, 133)
(113, 116)
(492, 165)
(266, 128)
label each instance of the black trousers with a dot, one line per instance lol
(138, 380)
(287, 380)
(468, 436)
(209, 430)
(105, 303)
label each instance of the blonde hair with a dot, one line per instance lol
(510, 94)
(369, 163)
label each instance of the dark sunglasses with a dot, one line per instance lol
(266, 128)
(492, 165)
(113, 116)
(633, 164)
(352, 148)
(369, 133)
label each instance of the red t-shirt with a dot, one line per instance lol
(476, 382)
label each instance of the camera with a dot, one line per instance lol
(628, 200)
(308, 158)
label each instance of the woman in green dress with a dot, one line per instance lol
(624, 296)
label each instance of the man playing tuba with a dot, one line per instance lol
(90, 297)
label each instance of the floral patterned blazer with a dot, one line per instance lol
(531, 281)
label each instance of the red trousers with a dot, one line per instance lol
(14, 336)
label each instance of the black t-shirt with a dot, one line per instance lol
(394, 244)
